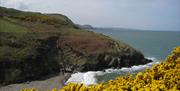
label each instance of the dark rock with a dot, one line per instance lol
(112, 61)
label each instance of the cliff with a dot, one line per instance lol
(34, 45)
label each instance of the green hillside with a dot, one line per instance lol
(33, 45)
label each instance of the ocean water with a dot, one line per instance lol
(155, 45)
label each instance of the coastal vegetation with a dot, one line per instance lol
(35, 45)
(164, 76)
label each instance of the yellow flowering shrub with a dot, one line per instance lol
(161, 77)
(31, 89)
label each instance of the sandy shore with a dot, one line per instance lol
(42, 85)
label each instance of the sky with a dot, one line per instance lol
(134, 14)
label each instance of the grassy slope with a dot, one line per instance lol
(10, 27)
(35, 44)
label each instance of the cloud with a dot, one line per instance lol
(22, 6)
(17, 4)
(141, 14)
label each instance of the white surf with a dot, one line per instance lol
(90, 77)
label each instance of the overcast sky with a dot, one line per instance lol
(136, 14)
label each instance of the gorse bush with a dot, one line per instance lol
(161, 77)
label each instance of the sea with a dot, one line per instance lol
(155, 45)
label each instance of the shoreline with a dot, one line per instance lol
(56, 81)
(94, 77)
(41, 85)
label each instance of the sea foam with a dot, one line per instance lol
(86, 78)
(90, 77)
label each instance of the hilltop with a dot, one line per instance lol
(34, 45)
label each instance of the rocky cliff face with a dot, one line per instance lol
(34, 45)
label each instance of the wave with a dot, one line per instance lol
(90, 77)
(86, 78)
